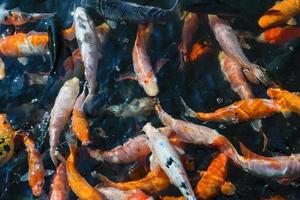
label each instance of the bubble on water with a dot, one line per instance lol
(34, 100)
(117, 68)
(219, 100)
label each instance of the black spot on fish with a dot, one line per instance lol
(87, 38)
(169, 162)
(183, 185)
(81, 25)
(6, 148)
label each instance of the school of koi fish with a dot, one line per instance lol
(119, 100)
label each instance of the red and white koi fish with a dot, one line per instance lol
(168, 160)
(190, 26)
(141, 61)
(24, 44)
(115, 194)
(283, 169)
(89, 46)
(60, 188)
(36, 171)
(17, 18)
(61, 112)
(230, 45)
(134, 149)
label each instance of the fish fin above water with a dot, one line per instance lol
(188, 111)
(228, 188)
(24, 177)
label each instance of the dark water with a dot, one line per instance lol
(202, 86)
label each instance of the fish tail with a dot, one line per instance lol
(188, 111)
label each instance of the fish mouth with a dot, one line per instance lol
(151, 89)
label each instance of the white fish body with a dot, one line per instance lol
(168, 160)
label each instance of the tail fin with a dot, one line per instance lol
(188, 111)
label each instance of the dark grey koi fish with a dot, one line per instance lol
(121, 10)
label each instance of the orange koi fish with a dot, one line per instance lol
(36, 171)
(69, 33)
(197, 51)
(280, 13)
(73, 65)
(115, 194)
(2, 69)
(77, 183)
(80, 124)
(190, 26)
(289, 102)
(22, 44)
(172, 198)
(61, 112)
(213, 179)
(243, 110)
(279, 35)
(60, 188)
(155, 181)
(283, 169)
(7, 144)
(141, 61)
(17, 18)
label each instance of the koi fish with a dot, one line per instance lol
(279, 14)
(197, 51)
(288, 101)
(22, 44)
(17, 18)
(168, 160)
(141, 61)
(283, 169)
(89, 45)
(190, 26)
(60, 188)
(173, 198)
(134, 149)
(243, 110)
(197, 134)
(230, 45)
(69, 33)
(7, 144)
(2, 69)
(232, 72)
(279, 35)
(77, 183)
(36, 171)
(73, 65)
(155, 181)
(139, 108)
(213, 179)
(120, 10)
(115, 194)
(80, 124)
(61, 112)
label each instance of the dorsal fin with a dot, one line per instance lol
(249, 154)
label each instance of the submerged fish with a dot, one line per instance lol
(279, 35)
(36, 171)
(17, 18)
(141, 61)
(25, 44)
(2, 69)
(122, 10)
(89, 46)
(213, 179)
(115, 194)
(155, 181)
(289, 102)
(60, 187)
(139, 108)
(80, 123)
(61, 112)
(280, 13)
(168, 160)
(197, 51)
(230, 45)
(7, 135)
(77, 183)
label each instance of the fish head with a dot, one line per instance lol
(150, 86)
(38, 188)
(72, 82)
